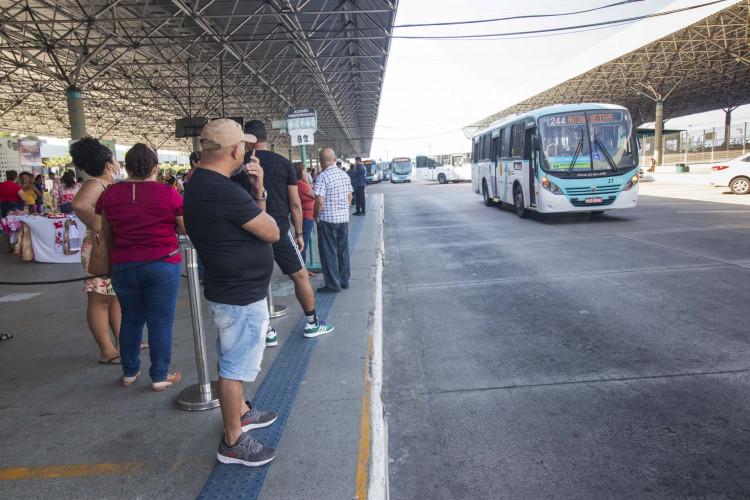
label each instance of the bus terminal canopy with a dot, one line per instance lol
(702, 67)
(139, 65)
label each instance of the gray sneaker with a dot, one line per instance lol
(255, 418)
(246, 451)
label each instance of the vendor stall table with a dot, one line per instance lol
(43, 239)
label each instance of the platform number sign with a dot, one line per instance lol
(302, 123)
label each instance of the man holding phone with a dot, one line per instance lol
(280, 181)
(233, 235)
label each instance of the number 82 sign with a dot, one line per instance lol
(304, 137)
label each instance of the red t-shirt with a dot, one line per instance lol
(9, 191)
(308, 204)
(144, 228)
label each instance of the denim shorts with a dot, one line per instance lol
(241, 340)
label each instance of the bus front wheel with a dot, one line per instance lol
(442, 179)
(521, 210)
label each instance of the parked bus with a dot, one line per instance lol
(430, 170)
(371, 171)
(401, 170)
(384, 167)
(562, 158)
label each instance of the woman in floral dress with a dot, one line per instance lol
(103, 310)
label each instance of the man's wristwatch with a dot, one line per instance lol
(262, 198)
(298, 234)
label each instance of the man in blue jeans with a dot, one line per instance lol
(360, 183)
(233, 235)
(333, 194)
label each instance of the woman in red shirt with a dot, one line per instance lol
(307, 197)
(12, 198)
(144, 216)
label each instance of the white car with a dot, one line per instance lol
(734, 174)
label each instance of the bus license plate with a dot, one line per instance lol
(593, 200)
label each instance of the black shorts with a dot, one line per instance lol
(287, 255)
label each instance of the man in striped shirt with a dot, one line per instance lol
(333, 195)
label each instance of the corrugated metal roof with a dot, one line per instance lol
(141, 65)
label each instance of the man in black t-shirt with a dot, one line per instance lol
(233, 236)
(280, 181)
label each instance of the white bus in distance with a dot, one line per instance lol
(430, 170)
(562, 158)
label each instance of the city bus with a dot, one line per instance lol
(384, 168)
(562, 158)
(429, 169)
(372, 175)
(401, 170)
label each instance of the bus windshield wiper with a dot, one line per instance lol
(577, 151)
(606, 155)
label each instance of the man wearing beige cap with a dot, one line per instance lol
(233, 235)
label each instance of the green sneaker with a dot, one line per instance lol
(272, 338)
(312, 330)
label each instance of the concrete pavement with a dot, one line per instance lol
(566, 356)
(69, 429)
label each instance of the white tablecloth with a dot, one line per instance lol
(43, 240)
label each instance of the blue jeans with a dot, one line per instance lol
(242, 338)
(307, 227)
(360, 199)
(333, 241)
(147, 295)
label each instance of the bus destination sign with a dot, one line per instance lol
(580, 119)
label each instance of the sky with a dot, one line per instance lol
(433, 88)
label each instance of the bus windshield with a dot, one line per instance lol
(401, 167)
(371, 167)
(593, 141)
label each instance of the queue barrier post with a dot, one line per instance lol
(203, 395)
(313, 266)
(274, 311)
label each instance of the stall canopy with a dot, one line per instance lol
(702, 67)
(140, 65)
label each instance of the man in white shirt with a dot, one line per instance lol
(333, 195)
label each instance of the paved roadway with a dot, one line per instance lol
(566, 356)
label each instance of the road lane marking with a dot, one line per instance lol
(17, 297)
(73, 470)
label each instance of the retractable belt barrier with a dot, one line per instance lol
(73, 280)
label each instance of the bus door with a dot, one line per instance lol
(495, 165)
(531, 155)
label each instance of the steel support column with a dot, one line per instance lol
(77, 121)
(727, 128)
(658, 126)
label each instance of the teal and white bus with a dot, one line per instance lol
(384, 167)
(372, 173)
(562, 158)
(401, 170)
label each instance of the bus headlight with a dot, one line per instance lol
(631, 182)
(552, 188)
